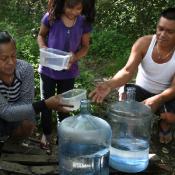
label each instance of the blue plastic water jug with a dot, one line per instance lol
(84, 142)
(131, 125)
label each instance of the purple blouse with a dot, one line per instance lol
(66, 39)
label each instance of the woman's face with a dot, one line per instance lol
(7, 59)
(72, 12)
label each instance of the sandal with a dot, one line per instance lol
(165, 135)
(45, 143)
(45, 146)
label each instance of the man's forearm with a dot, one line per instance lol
(168, 94)
(120, 79)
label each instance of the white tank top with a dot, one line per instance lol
(152, 76)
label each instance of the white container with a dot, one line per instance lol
(73, 97)
(54, 59)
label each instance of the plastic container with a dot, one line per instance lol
(73, 97)
(54, 59)
(84, 142)
(131, 125)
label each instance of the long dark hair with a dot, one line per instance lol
(56, 8)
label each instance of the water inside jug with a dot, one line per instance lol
(84, 142)
(131, 123)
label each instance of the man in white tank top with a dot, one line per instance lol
(154, 58)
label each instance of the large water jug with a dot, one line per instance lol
(131, 123)
(84, 142)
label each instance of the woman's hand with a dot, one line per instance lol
(55, 103)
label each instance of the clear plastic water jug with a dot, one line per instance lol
(84, 142)
(131, 124)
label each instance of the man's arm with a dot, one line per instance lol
(169, 93)
(156, 101)
(126, 73)
(138, 51)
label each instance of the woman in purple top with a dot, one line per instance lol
(66, 26)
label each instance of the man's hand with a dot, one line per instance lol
(153, 102)
(100, 92)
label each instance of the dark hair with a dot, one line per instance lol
(56, 8)
(5, 37)
(168, 13)
(89, 10)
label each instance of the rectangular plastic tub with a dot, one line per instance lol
(54, 59)
(73, 97)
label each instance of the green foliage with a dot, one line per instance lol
(110, 48)
(118, 24)
(25, 13)
(109, 45)
(132, 17)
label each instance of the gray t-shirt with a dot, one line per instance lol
(17, 107)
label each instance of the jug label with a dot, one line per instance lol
(82, 165)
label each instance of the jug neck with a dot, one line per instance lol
(85, 106)
(130, 93)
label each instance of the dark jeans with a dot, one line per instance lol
(49, 87)
(142, 94)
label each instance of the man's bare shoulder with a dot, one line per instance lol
(142, 44)
(145, 40)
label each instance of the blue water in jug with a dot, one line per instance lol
(130, 155)
(84, 142)
(131, 125)
(84, 159)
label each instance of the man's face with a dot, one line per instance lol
(7, 59)
(166, 32)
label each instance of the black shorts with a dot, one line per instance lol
(7, 128)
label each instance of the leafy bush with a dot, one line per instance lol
(131, 17)
(110, 47)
